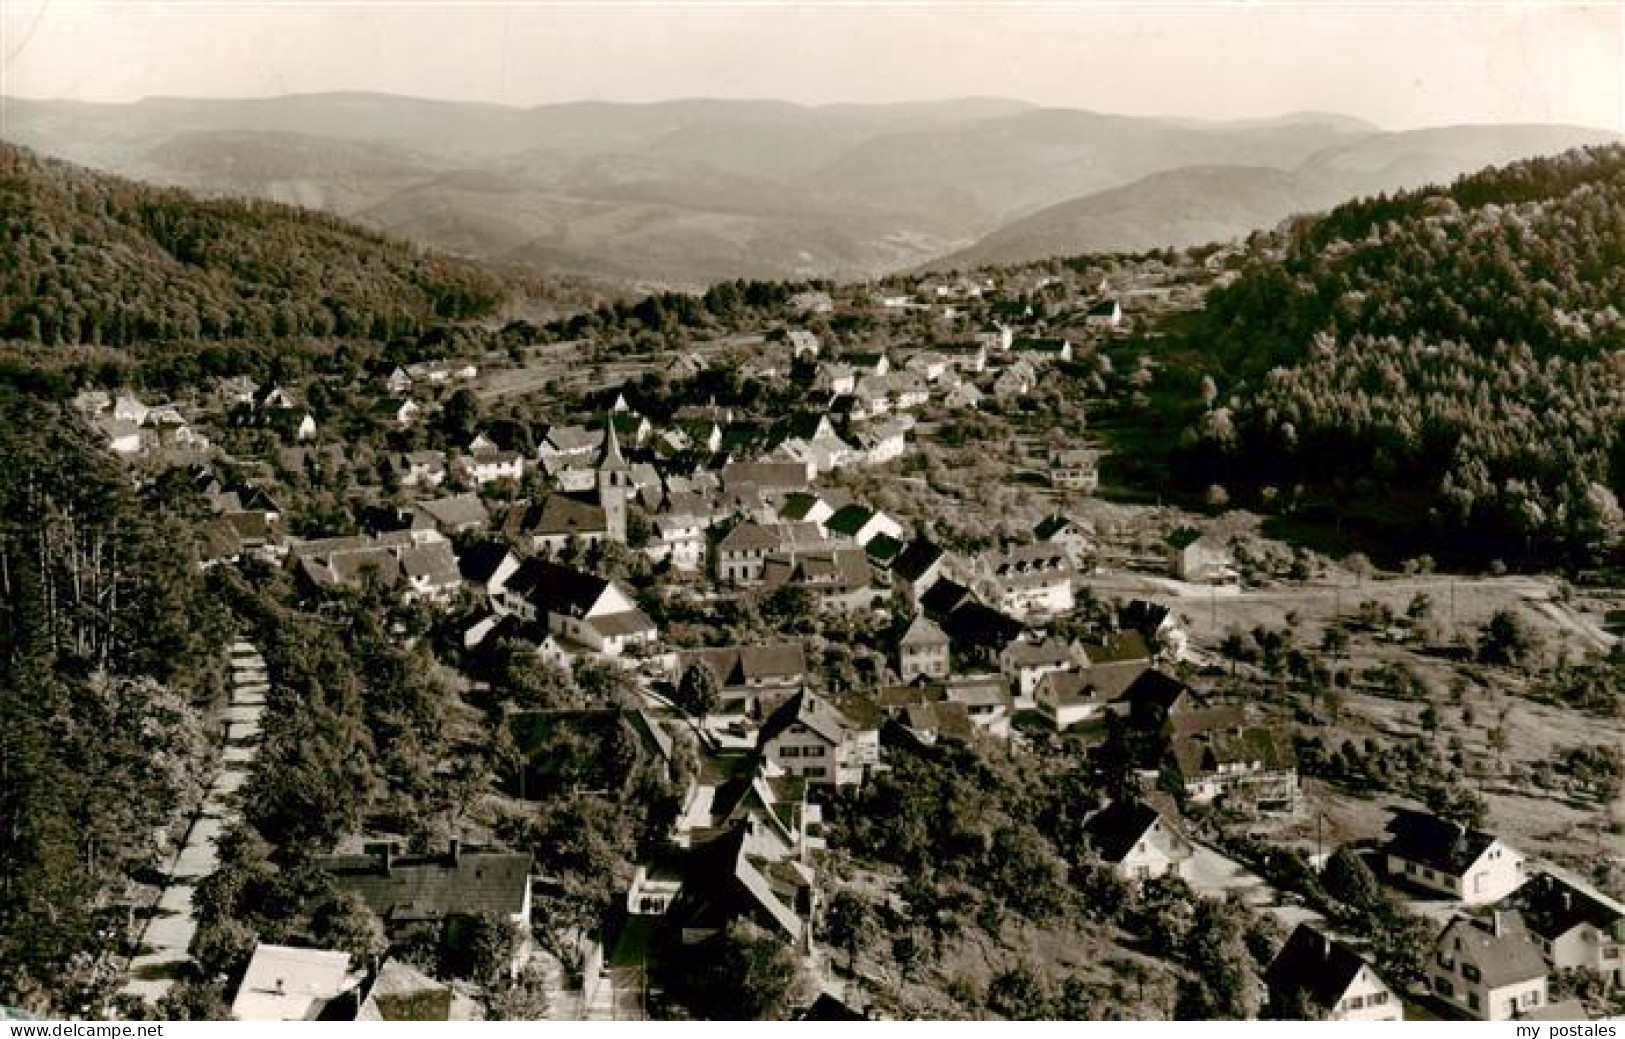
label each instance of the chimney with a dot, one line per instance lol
(456, 850)
(281, 989)
(1499, 924)
(1568, 901)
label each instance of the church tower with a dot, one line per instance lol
(614, 483)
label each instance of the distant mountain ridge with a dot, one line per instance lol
(1198, 204)
(688, 192)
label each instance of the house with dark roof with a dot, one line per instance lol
(1317, 974)
(1067, 534)
(1575, 926)
(743, 874)
(584, 608)
(860, 524)
(1137, 841)
(747, 674)
(810, 738)
(917, 568)
(1218, 755)
(928, 723)
(771, 477)
(1490, 969)
(942, 598)
(978, 632)
(1470, 865)
(559, 521)
(418, 894)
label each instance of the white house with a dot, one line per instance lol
(1316, 973)
(1490, 969)
(1472, 866)
(1137, 841)
(589, 610)
(283, 983)
(807, 737)
(922, 651)
(1575, 926)
(1028, 580)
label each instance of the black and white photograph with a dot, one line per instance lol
(829, 512)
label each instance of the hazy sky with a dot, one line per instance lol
(1398, 64)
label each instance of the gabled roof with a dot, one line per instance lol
(804, 708)
(1552, 907)
(922, 632)
(1051, 525)
(849, 519)
(1504, 959)
(563, 515)
(1115, 830)
(723, 881)
(739, 665)
(458, 510)
(1120, 648)
(777, 476)
(916, 559)
(943, 598)
(434, 561)
(1437, 843)
(974, 624)
(479, 563)
(1049, 652)
(1315, 964)
(750, 537)
(564, 589)
(433, 887)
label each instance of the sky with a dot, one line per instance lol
(1399, 65)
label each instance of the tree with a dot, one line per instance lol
(1348, 879)
(344, 922)
(697, 691)
(1017, 994)
(757, 976)
(1508, 639)
(850, 922)
(519, 999)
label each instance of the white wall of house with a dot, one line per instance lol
(1368, 999)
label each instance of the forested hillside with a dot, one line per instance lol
(89, 258)
(1452, 354)
(108, 649)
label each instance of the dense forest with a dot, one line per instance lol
(1452, 353)
(109, 650)
(89, 258)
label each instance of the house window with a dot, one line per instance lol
(1470, 972)
(1531, 998)
(789, 752)
(813, 772)
(1356, 1002)
(815, 752)
(1379, 998)
(1443, 987)
(1472, 1000)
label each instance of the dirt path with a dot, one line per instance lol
(166, 939)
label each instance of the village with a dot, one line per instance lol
(889, 526)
